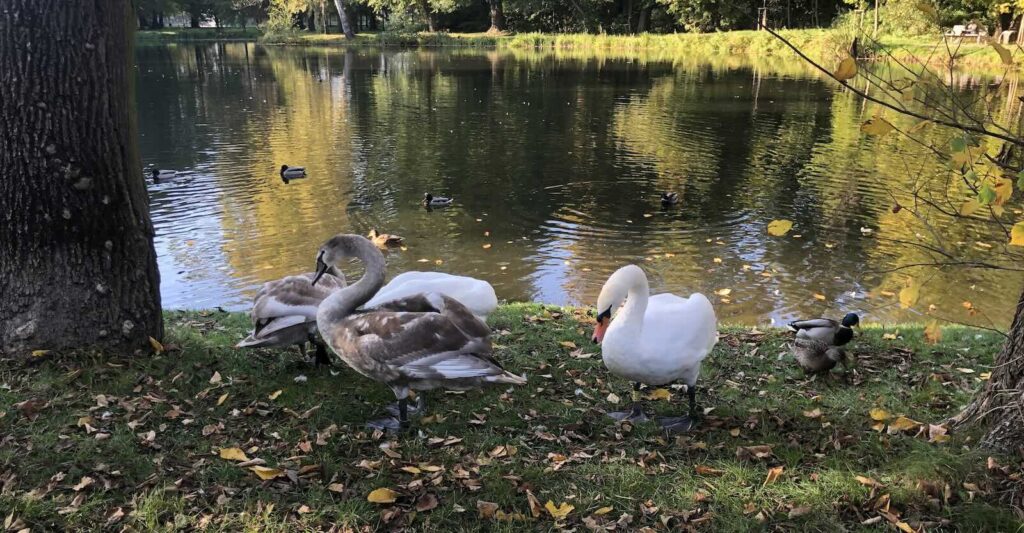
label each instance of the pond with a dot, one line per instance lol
(556, 164)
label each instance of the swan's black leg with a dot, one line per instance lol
(634, 411)
(321, 358)
(417, 408)
(682, 424)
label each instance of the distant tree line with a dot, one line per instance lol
(569, 16)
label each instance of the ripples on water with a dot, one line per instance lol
(557, 163)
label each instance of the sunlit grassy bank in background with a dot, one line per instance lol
(136, 441)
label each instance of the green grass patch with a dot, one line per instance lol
(171, 35)
(138, 437)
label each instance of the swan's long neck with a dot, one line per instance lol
(344, 301)
(631, 318)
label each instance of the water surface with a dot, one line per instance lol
(556, 164)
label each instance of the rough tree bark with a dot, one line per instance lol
(999, 406)
(346, 24)
(77, 264)
(425, 8)
(497, 16)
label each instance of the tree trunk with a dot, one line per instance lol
(311, 19)
(425, 8)
(78, 268)
(346, 24)
(1000, 404)
(193, 21)
(629, 17)
(645, 17)
(497, 16)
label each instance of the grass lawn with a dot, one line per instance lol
(136, 441)
(167, 35)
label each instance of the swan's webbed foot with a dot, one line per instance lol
(415, 409)
(677, 424)
(634, 414)
(389, 424)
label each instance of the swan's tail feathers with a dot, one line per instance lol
(509, 378)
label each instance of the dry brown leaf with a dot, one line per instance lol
(486, 510)
(773, 475)
(426, 502)
(707, 470)
(275, 394)
(215, 378)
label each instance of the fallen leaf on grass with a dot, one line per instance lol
(382, 495)
(659, 394)
(750, 453)
(870, 482)
(233, 454)
(707, 470)
(336, 487)
(486, 510)
(215, 378)
(426, 502)
(603, 511)
(535, 506)
(265, 472)
(158, 348)
(773, 475)
(275, 394)
(933, 333)
(816, 413)
(223, 398)
(568, 344)
(559, 512)
(902, 424)
(880, 415)
(85, 482)
(799, 511)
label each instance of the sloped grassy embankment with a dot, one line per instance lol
(137, 441)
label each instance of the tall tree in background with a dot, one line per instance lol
(77, 264)
(497, 16)
(346, 24)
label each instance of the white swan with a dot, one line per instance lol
(421, 342)
(284, 313)
(475, 294)
(653, 340)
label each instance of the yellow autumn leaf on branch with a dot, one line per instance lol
(1017, 234)
(877, 126)
(846, 70)
(233, 454)
(382, 495)
(969, 207)
(778, 228)
(909, 295)
(560, 512)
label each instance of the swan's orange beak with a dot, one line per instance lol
(600, 329)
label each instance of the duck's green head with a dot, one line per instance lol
(851, 320)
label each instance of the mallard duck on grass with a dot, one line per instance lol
(653, 340)
(817, 346)
(421, 342)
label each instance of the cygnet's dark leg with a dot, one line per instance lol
(634, 411)
(321, 358)
(682, 424)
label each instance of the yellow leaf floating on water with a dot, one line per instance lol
(1017, 234)
(846, 70)
(265, 472)
(877, 126)
(157, 347)
(778, 228)
(382, 495)
(909, 294)
(880, 415)
(275, 394)
(933, 333)
(560, 512)
(1004, 54)
(773, 475)
(819, 296)
(233, 454)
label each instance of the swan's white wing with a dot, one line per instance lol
(687, 326)
(477, 295)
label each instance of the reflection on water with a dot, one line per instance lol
(556, 162)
